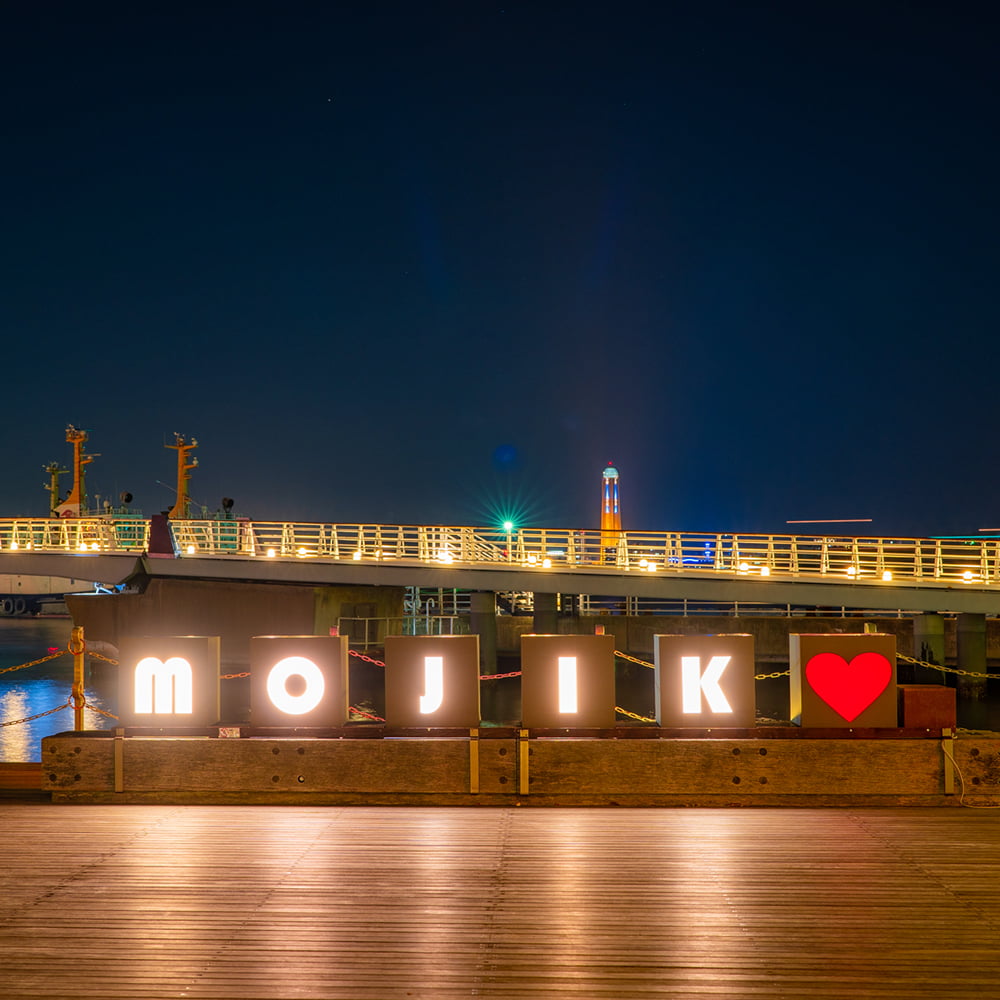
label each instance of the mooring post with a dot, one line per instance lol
(77, 697)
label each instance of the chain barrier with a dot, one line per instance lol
(366, 658)
(944, 670)
(34, 663)
(632, 715)
(40, 715)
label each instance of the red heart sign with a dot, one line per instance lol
(849, 688)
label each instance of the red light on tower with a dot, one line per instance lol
(611, 515)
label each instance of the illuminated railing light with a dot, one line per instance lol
(83, 547)
(357, 555)
(643, 563)
(744, 567)
(967, 576)
(651, 567)
(852, 571)
(270, 553)
(546, 564)
(765, 571)
(14, 546)
(887, 575)
(445, 557)
(190, 550)
(94, 546)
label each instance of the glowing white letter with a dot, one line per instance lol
(694, 684)
(433, 695)
(163, 688)
(567, 684)
(295, 704)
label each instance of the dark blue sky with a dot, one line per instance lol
(411, 263)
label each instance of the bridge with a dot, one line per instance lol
(912, 574)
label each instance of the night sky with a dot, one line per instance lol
(435, 263)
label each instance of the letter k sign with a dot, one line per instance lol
(694, 684)
(704, 681)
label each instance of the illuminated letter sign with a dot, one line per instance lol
(568, 703)
(841, 681)
(704, 681)
(164, 688)
(432, 680)
(169, 681)
(298, 680)
(694, 684)
(568, 681)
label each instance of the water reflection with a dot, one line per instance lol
(28, 692)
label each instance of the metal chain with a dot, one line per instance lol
(632, 715)
(229, 677)
(365, 657)
(945, 670)
(31, 718)
(101, 656)
(34, 663)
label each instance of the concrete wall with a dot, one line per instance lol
(232, 610)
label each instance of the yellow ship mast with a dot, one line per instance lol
(53, 486)
(180, 511)
(75, 504)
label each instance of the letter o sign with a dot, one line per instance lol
(277, 685)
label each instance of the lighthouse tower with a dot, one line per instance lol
(611, 515)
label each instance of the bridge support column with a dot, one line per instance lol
(546, 614)
(928, 645)
(483, 621)
(970, 634)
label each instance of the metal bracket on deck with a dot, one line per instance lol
(948, 749)
(118, 744)
(522, 762)
(474, 761)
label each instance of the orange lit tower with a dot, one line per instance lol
(611, 515)
(179, 511)
(75, 504)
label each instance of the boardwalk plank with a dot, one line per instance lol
(368, 903)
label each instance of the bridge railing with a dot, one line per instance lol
(74, 534)
(867, 560)
(863, 560)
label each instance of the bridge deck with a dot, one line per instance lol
(244, 902)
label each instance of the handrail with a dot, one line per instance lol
(868, 561)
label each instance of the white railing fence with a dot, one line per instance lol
(863, 560)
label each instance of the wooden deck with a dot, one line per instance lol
(380, 903)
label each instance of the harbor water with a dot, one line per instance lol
(28, 692)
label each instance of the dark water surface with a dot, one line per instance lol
(27, 692)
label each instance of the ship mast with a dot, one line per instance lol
(53, 486)
(75, 504)
(180, 511)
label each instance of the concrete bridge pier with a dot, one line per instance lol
(970, 635)
(928, 645)
(546, 620)
(483, 621)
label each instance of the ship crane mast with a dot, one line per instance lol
(180, 509)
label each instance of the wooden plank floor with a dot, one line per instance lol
(366, 902)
